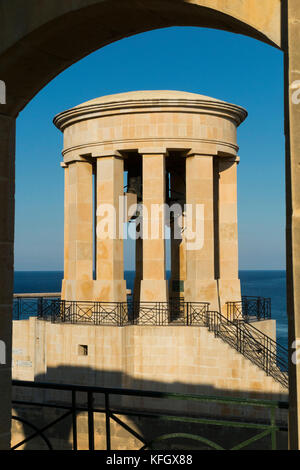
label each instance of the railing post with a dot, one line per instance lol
(273, 432)
(19, 309)
(245, 304)
(238, 339)
(91, 421)
(215, 325)
(120, 305)
(267, 358)
(40, 307)
(95, 313)
(63, 308)
(107, 422)
(74, 420)
(242, 335)
(258, 308)
(229, 309)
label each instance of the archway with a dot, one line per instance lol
(38, 42)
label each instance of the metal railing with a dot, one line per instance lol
(27, 305)
(259, 348)
(83, 399)
(175, 312)
(249, 309)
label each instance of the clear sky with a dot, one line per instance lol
(226, 66)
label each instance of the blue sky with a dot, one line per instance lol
(226, 66)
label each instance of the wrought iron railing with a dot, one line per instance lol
(259, 348)
(242, 336)
(249, 309)
(27, 305)
(85, 399)
(175, 312)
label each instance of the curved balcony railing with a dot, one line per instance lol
(249, 309)
(259, 348)
(175, 312)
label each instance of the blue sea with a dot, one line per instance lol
(258, 283)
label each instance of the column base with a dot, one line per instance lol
(110, 290)
(77, 290)
(176, 288)
(229, 291)
(202, 291)
(153, 290)
(90, 290)
(137, 289)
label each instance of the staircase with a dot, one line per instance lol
(259, 348)
(236, 329)
(238, 332)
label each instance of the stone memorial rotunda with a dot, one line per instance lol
(180, 152)
(152, 165)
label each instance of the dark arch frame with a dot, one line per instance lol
(37, 43)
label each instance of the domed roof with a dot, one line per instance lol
(132, 101)
(148, 95)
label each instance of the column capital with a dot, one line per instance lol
(228, 157)
(63, 165)
(193, 153)
(153, 151)
(232, 159)
(110, 153)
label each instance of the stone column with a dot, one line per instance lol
(291, 40)
(154, 286)
(138, 269)
(110, 285)
(66, 229)
(78, 285)
(7, 190)
(178, 255)
(229, 283)
(200, 284)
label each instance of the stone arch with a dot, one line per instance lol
(38, 40)
(54, 36)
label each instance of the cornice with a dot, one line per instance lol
(195, 106)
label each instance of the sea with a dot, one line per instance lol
(258, 283)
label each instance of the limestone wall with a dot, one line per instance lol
(168, 359)
(163, 358)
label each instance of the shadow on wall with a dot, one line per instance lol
(131, 432)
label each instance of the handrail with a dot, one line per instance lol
(150, 393)
(249, 308)
(268, 423)
(175, 312)
(261, 350)
(29, 295)
(242, 336)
